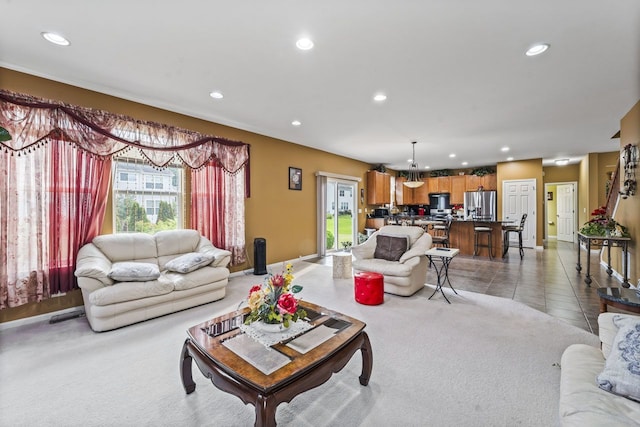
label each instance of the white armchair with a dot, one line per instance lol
(404, 276)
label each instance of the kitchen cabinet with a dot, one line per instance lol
(421, 194)
(378, 188)
(432, 184)
(458, 187)
(473, 182)
(404, 194)
(490, 182)
(411, 196)
(444, 184)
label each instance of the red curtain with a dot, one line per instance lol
(207, 203)
(78, 192)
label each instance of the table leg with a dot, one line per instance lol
(587, 278)
(446, 262)
(609, 269)
(625, 281)
(578, 266)
(265, 410)
(185, 369)
(367, 359)
(603, 306)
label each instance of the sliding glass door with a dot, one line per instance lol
(340, 216)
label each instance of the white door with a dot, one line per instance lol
(519, 197)
(566, 212)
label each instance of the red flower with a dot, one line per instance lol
(277, 280)
(254, 288)
(287, 304)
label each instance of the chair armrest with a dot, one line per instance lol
(94, 264)
(366, 249)
(422, 245)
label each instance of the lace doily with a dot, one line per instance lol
(270, 338)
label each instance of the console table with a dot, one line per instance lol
(601, 241)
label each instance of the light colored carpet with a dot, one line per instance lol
(481, 361)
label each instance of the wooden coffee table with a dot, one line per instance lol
(622, 298)
(231, 373)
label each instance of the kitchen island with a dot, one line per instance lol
(461, 234)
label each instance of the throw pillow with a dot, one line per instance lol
(621, 374)
(390, 248)
(189, 262)
(128, 271)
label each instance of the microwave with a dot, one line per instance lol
(380, 212)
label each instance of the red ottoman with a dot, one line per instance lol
(369, 288)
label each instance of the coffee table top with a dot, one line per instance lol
(628, 297)
(210, 338)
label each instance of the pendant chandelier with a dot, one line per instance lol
(414, 180)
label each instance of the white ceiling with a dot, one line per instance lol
(454, 71)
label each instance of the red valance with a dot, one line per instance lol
(32, 121)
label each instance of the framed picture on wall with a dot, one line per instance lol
(549, 195)
(295, 178)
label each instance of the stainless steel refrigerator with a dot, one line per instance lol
(483, 203)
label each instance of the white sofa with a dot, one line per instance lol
(582, 402)
(405, 276)
(110, 303)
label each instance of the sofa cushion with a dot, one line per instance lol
(390, 248)
(176, 242)
(128, 271)
(189, 262)
(127, 247)
(621, 374)
(129, 291)
(199, 277)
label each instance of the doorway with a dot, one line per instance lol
(337, 214)
(518, 198)
(560, 208)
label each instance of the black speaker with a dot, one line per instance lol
(259, 256)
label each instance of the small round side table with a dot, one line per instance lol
(342, 265)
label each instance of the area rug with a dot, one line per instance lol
(480, 361)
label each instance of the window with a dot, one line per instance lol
(341, 193)
(146, 199)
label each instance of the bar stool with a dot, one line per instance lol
(440, 233)
(480, 227)
(506, 229)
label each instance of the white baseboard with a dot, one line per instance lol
(38, 318)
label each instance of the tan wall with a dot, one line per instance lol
(286, 218)
(568, 173)
(525, 169)
(628, 212)
(583, 192)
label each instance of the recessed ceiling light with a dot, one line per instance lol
(216, 95)
(452, 155)
(427, 167)
(509, 159)
(410, 161)
(55, 39)
(296, 123)
(504, 149)
(537, 49)
(465, 163)
(304, 44)
(380, 97)
(562, 162)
